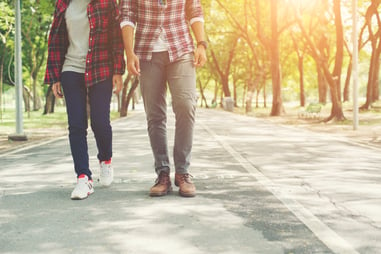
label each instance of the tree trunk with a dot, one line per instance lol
(300, 56)
(374, 37)
(264, 95)
(134, 85)
(225, 85)
(372, 79)
(26, 96)
(346, 95)
(123, 110)
(339, 47)
(203, 98)
(1, 88)
(50, 100)
(277, 105)
(301, 81)
(376, 94)
(36, 97)
(335, 78)
(337, 113)
(322, 85)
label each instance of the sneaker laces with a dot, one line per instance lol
(84, 182)
(105, 169)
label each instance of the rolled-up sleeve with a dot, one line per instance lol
(193, 11)
(128, 10)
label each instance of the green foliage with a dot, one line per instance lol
(226, 22)
(7, 20)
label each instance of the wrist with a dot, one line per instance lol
(202, 44)
(130, 53)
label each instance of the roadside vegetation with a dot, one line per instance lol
(265, 58)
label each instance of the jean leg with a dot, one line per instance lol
(100, 99)
(182, 84)
(153, 87)
(73, 85)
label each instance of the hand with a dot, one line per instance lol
(133, 65)
(199, 56)
(117, 83)
(57, 90)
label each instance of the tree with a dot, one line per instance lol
(245, 25)
(126, 97)
(36, 24)
(223, 66)
(277, 107)
(320, 52)
(373, 25)
(300, 54)
(6, 29)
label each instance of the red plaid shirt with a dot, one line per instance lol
(149, 17)
(106, 53)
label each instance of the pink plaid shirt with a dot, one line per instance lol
(106, 53)
(151, 18)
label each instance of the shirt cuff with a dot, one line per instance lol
(126, 23)
(197, 19)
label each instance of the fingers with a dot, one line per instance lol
(57, 91)
(134, 70)
(117, 83)
(133, 65)
(199, 58)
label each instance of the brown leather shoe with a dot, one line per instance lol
(187, 188)
(162, 185)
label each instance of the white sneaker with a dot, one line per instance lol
(106, 173)
(83, 189)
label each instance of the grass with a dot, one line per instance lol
(33, 120)
(371, 117)
(36, 120)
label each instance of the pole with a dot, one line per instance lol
(355, 76)
(19, 135)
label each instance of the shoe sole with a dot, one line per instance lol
(184, 194)
(105, 184)
(79, 198)
(187, 195)
(160, 194)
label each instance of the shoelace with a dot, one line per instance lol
(162, 179)
(106, 170)
(185, 178)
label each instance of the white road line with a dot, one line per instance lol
(329, 237)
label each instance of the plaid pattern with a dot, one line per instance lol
(150, 16)
(106, 53)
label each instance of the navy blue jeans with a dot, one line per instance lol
(99, 96)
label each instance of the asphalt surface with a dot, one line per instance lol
(261, 188)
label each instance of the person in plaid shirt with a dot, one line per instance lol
(86, 60)
(162, 52)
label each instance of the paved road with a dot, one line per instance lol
(262, 188)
